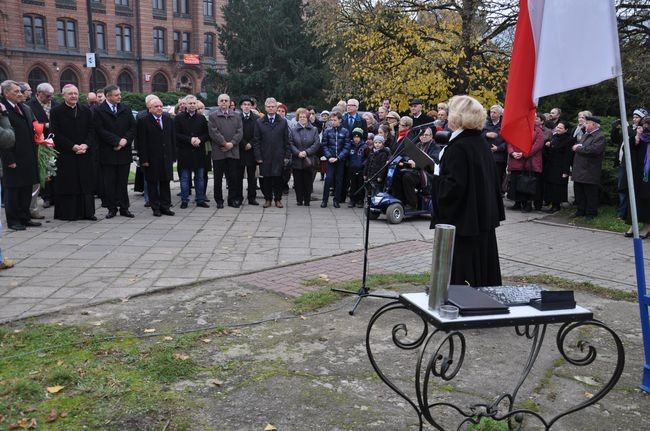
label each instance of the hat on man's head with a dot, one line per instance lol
(641, 112)
(592, 118)
(415, 102)
(357, 132)
(378, 138)
(394, 115)
(247, 99)
(325, 113)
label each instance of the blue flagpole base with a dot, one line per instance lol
(645, 383)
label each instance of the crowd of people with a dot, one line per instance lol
(264, 147)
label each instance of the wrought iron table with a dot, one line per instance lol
(442, 351)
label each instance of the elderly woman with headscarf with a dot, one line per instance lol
(469, 196)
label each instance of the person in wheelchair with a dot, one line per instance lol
(410, 177)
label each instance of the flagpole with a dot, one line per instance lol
(644, 299)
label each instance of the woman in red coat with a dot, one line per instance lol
(529, 164)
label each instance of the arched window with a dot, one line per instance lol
(68, 76)
(3, 75)
(100, 80)
(36, 76)
(159, 83)
(125, 81)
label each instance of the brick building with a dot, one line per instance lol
(141, 45)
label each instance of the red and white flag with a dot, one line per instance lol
(559, 45)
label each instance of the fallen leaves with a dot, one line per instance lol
(182, 356)
(270, 427)
(149, 331)
(52, 416)
(168, 338)
(24, 423)
(54, 389)
(215, 382)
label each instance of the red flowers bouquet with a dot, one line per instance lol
(45, 152)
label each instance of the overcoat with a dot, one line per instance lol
(73, 126)
(187, 127)
(588, 159)
(225, 127)
(110, 129)
(271, 145)
(557, 158)
(157, 147)
(23, 153)
(304, 139)
(247, 157)
(39, 112)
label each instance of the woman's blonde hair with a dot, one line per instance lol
(467, 113)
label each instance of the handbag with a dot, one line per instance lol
(527, 183)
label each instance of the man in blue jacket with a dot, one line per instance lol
(336, 148)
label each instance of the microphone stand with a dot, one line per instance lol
(364, 290)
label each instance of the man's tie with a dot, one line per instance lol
(159, 120)
(114, 109)
(18, 110)
(351, 121)
(271, 119)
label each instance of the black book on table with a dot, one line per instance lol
(472, 302)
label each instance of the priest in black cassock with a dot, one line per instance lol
(72, 126)
(468, 195)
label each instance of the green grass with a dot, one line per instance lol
(108, 382)
(606, 220)
(487, 424)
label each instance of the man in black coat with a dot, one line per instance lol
(115, 130)
(246, 153)
(41, 105)
(19, 163)
(72, 125)
(419, 117)
(157, 153)
(191, 135)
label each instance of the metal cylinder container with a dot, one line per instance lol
(443, 253)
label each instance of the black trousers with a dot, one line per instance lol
(586, 198)
(116, 178)
(160, 196)
(356, 182)
(272, 188)
(410, 181)
(17, 201)
(251, 191)
(303, 181)
(229, 168)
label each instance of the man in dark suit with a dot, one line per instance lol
(157, 152)
(419, 117)
(19, 163)
(41, 105)
(246, 154)
(115, 130)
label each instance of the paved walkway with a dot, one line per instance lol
(64, 264)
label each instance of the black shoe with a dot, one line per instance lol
(200, 204)
(253, 202)
(360, 205)
(46, 204)
(323, 204)
(167, 212)
(147, 205)
(306, 203)
(335, 204)
(220, 205)
(111, 213)
(91, 218)
(628, 234)
(32, 224)
(184, 205)
(157, 213)
(126, 213)
(351, 204)
(17, 227)
(299, 203)
(207, 200)
(234, 205)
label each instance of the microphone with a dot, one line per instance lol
(424, 126)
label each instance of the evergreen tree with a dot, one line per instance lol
(269, 52)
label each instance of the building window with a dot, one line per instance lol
(158, 40)
(185, 42)
(66, 30)
(125, 81)
(177, 41)
(208, 8)
(69, 77)
(123, 38)
(100, 36)
(159, 83)
(124, 3)
(100, 79)
(181, 7)
(208, 45)
(34, 27)
(158, 4)
(36, 76)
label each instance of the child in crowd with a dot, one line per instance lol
(377, 159)
(336, 148)
(358, 154)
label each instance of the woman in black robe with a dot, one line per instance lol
(556, 170)
(469, 196)
(72, 126)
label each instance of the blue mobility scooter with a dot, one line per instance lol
(385, 203)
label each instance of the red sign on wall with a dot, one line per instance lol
(191, 59)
